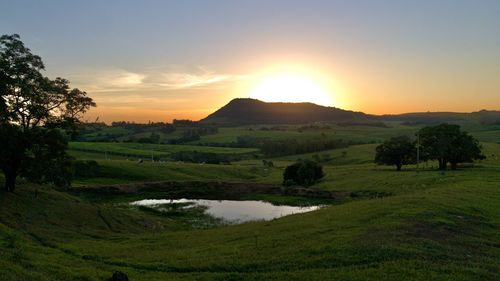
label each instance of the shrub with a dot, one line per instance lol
(86, 168)
(304, 172)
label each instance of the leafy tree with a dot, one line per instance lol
(397, 151)
(304, 172)
(33, 109)
(448, 144)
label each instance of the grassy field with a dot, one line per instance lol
(364, 134)
(354, 133)
(123, 171)
(103, 150)
(429, 225)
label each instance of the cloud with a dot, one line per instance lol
(189, 80)
(125, 79)
(109, 80)
(120, 80)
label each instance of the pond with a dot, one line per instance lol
(231, 211)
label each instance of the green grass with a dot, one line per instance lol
(365, 134)
(123, 171)
(102, 150)
(355, 133)
(433, 226)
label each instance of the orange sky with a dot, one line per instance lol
(361, 88)
(159, 60)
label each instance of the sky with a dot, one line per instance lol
(159, 60)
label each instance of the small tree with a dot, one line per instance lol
(304, 172)
(396, 151)
(446, 143)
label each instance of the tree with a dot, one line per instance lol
(33, 110)
(305, 173)
(397, 151)
(446, 143)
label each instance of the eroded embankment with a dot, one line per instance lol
(220, 190)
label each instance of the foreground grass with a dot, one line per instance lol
(447, 232)
(433, 226)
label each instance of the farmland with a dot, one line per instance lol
(429, 225)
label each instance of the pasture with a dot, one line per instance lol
(430, 225)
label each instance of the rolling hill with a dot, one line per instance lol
(245, 111)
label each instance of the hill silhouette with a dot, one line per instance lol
(243, 111)
(246, 111)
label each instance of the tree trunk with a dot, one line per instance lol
(398, 167)
(442, 164)
(10, 180)
(453, 166)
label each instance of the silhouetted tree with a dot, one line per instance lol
(448, 144)
(304, 172)
(396, 151)
(33, 108)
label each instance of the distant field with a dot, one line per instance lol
(363, 134)
(353, 133)
(344, 172)
(137, 150)
(123, 171)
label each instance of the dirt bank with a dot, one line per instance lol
(216, 190)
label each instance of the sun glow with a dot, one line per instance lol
(290, 88)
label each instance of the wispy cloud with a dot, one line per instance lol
(120, 80)
(188, 80)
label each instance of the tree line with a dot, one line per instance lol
(281, 147)
(98, 131)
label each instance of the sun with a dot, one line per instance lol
(289, 87)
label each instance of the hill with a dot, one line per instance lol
(244, 111)
(482, 116)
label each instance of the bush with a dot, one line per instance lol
(86, 168)
(268, 163)
(204, 157)
(305, 173)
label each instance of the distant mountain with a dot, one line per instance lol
(483, 117)
(244, 111)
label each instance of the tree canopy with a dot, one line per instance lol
(304, 172)
(32, 110)
(396, 151)
(446, 143)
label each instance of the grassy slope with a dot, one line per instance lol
(123, 171)
(356, 133)
(435, 227)
(147, 150)
(366, 134)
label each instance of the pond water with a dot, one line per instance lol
(232, 211)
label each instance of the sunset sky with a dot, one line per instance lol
(159, 60)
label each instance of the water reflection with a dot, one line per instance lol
(232, 211)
